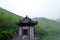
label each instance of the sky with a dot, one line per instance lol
(33, 8)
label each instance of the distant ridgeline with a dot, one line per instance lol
(50, 26)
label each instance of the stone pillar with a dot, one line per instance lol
(20, 33)
(31, 33)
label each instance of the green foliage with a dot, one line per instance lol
(51, 37)
(8, 26)
(40, 31)
(50, 27)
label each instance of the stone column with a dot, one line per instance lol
(31, 33)
(20, 33)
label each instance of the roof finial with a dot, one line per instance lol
(26, 16)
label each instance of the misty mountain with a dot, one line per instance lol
(58, 20)
(47, 24)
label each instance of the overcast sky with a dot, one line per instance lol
(33, 8)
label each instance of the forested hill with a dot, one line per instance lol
(8, 25)
(47, 24)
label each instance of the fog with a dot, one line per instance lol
(33, 8)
